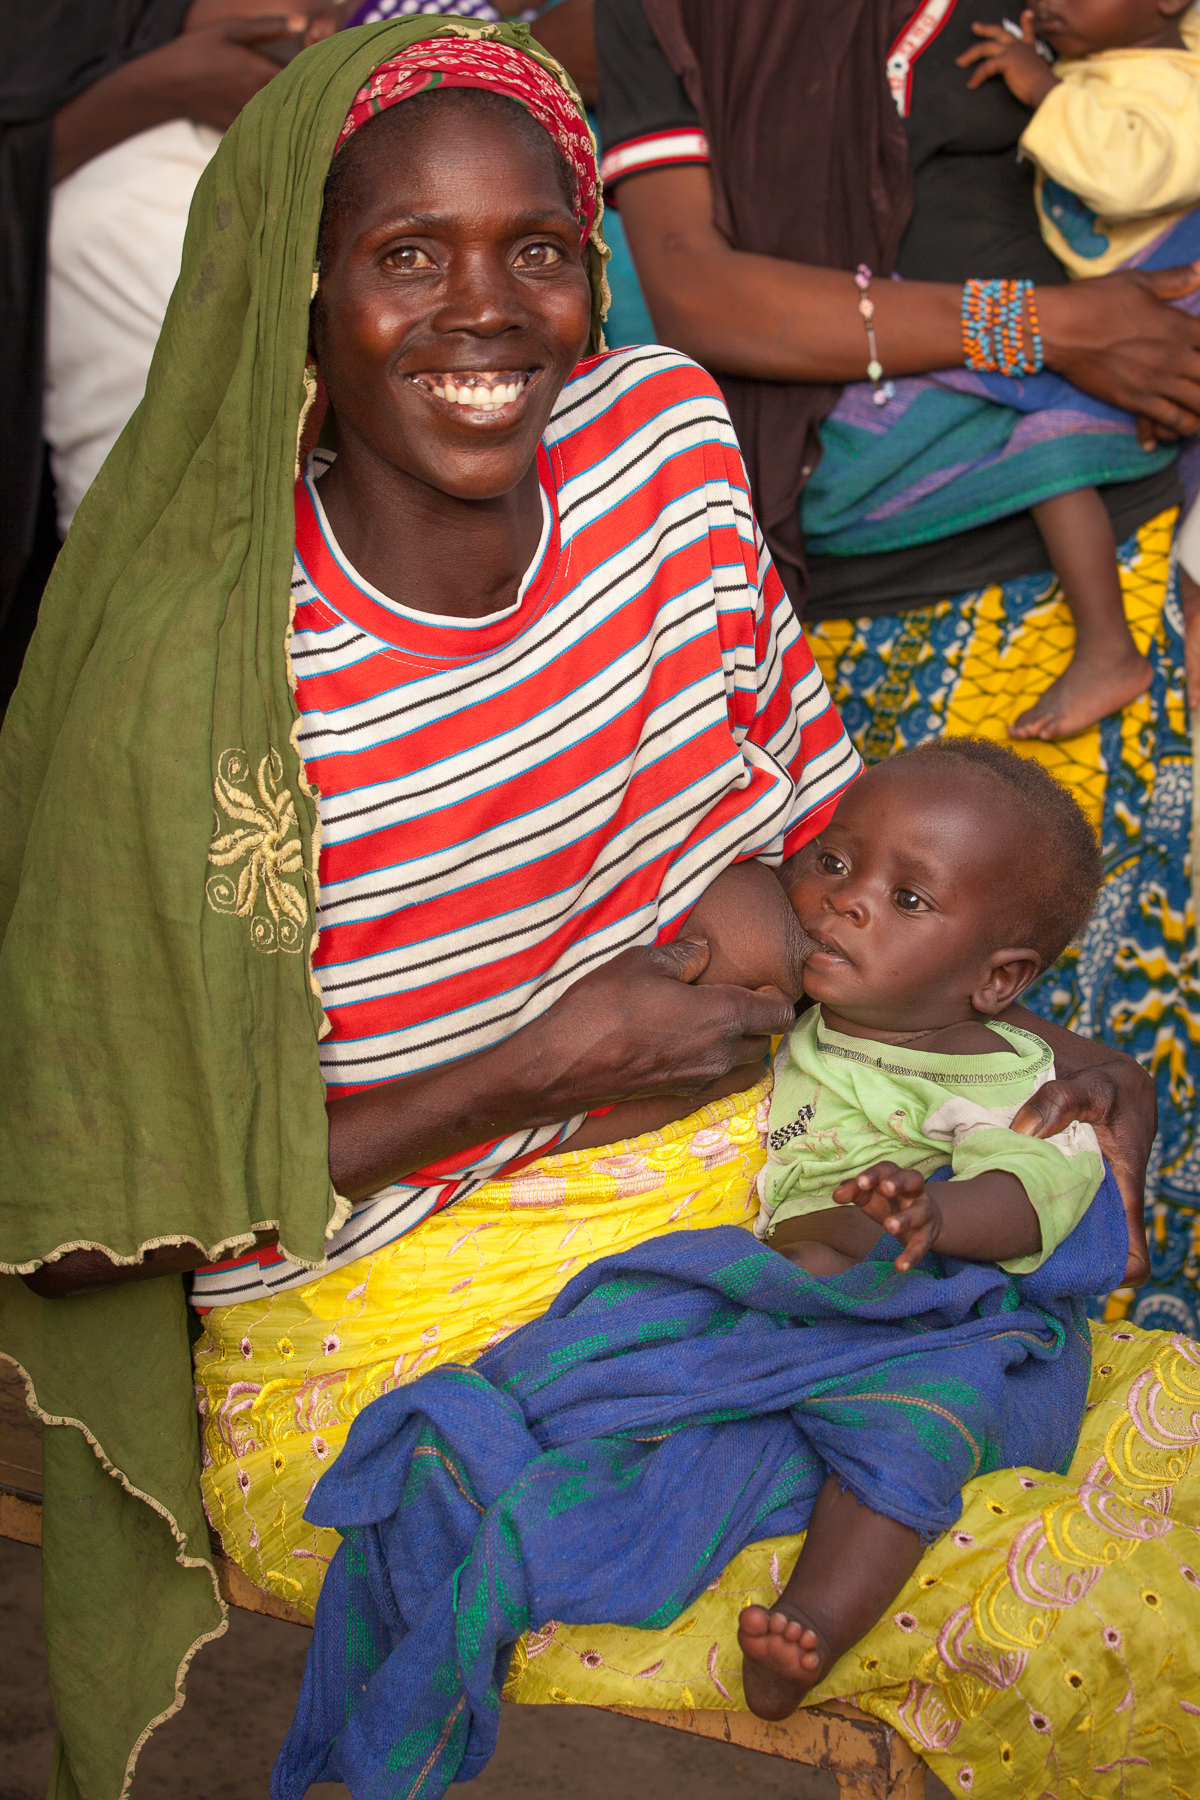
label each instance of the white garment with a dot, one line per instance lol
(116, 242)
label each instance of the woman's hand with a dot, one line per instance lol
(1114, 338)
(1117, 1098)
(206, 74)
(636, 1027)
(640, 1026)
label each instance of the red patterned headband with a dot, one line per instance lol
(458, 62)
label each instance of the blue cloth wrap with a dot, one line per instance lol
(605, 1463)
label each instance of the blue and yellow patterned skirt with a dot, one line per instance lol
(968, 666)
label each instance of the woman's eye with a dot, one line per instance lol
(410, 258)
(907, 901)
(830, 864)
(539, 256)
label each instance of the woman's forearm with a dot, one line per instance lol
(116, 107)
(639, 1027)
(1072, 1053)
(761, 316)
(382, 1134)
(743, 314)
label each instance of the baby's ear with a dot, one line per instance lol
(1008, 974)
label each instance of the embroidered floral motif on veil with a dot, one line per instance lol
(266, 840)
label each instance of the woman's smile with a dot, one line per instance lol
(497, 395)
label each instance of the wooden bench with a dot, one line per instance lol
(869, 1759)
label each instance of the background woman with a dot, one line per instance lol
(745, 235)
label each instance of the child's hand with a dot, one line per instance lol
(1015, 59)
(899, 1200)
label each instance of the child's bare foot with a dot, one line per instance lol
(782, 1658)
(1091, 687)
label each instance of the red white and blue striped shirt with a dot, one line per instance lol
(507, 802)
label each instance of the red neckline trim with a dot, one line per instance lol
(435, 643)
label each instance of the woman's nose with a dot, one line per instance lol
(482, 299)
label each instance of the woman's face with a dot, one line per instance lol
(453, 302)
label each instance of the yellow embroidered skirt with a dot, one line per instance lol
(279, 1382)
(1049, 1644)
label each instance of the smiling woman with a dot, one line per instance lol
(401, 768)
(516, 653)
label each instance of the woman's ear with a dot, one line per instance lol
(1009, 973)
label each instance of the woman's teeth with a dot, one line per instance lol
(484, 393)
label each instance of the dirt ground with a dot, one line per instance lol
(240, 1697)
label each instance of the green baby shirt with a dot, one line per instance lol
(844, 1103)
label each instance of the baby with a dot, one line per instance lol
(948, 879)
(1115, 136)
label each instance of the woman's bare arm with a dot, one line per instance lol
(639, 1025)
(207, 74)
(743, 314)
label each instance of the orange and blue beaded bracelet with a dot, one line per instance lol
(1000, 332)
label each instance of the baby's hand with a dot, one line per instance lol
(899, 1200)
(1015, 60)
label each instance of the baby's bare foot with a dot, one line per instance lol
(782, 1658)
(1088, 690)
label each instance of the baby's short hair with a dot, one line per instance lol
(1047, 916)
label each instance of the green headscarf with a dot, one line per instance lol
(157, 897)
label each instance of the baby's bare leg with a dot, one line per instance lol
(1106, 672)
(817, 1259)
(853, 1564)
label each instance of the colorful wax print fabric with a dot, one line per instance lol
(969, 666)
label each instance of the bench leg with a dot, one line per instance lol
(903, 1779)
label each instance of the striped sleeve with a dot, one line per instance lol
(795, 722)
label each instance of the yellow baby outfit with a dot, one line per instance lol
(1117, 146)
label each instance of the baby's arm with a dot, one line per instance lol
(754, 938)
(985, 1218)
